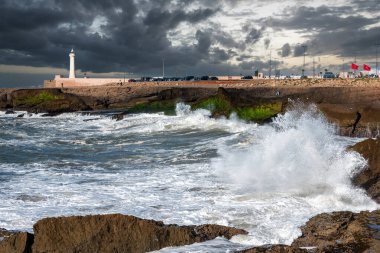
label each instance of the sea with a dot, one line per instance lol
(186, 169)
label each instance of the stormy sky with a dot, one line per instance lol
(194, 37)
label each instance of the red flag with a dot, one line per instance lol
(366, 67)
(354, 66)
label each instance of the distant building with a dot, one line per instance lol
(229, 78)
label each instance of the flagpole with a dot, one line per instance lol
(377, 70)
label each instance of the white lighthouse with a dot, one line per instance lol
(72, 64)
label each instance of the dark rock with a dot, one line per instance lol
(369, 179)
(51, 114)
(9, 112)
(118, 117)
(274, 249)
(342, 232)
(21, 115)
(20, 242)
(118, 233)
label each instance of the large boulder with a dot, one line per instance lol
(118, 233)
(369, 179)
(15, 242)
(342, 232)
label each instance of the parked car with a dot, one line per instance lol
(131, 80)
(214, 78)
(204, 78)
(328, 75)
(247, 77)
(145, 79)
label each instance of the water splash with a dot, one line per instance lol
(298, 153)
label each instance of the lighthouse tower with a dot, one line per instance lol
(72, 64)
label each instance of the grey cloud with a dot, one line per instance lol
(267, 43)
(285, 50)
(254, 35)
(204, 41)
(299, 50)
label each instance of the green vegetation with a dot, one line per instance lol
(259, 113)
(216, 105)
(221, 106)
(41, 97)
(167, 107)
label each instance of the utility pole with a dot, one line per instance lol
(270, 64)
(163, 67)
(304, 55)
(377, 66)
(313, 67)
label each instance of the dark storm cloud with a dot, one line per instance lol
(331, 30)
(204, 41)
(167, 20)
(323, 18)
(261, 66)
(219, 55)
(40, 33)
(134, 35)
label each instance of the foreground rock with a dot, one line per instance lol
(118, 233)
(12, 242)
(342, 232)
(369, 179)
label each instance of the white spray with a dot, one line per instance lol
(299, 154)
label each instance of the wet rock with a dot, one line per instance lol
(342, 232)
(274, 249)
(118, 233)
(369, 179)
(21, 115)
(51, 114)
(9, 112)
(20, 242)
(118, 117)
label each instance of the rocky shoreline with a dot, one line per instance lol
(356, 110)
(327, 232)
